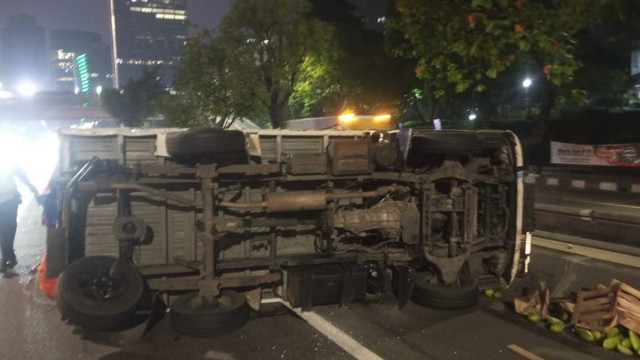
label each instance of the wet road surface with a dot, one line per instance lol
(31, 327)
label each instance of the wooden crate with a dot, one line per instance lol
(596, 309)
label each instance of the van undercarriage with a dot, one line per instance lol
(320, 217)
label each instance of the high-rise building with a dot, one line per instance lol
(24, 54)
(147, 33)
(68, 48)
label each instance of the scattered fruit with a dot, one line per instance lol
(624, 350)
(552, 320)
(626, 342)
(564, 316)
(597, 335)
(497, 294)
(489, 292)
(557, 328)
(613, 332)
(534, 318)
(586, 335)
(610, 343)
(635, 340)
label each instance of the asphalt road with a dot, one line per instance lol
(31, 327)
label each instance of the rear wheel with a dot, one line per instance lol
(429, 292)
(447, 143)
(207, 145)
(195, 316)
(100, 292)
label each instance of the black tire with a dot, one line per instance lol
(447, 143)
(438, 296)
(190, 318)
(88, 296)
(206, 143)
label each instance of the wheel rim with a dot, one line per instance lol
(102, 287)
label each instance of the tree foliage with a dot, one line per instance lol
(268, 41)
(318, 89)
(136, 101)
(467, 46)
(353, 70)
(207, 93)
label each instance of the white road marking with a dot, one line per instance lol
(339, 337)
(599, 254)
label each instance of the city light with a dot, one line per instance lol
(473, 116)
(347, 118)
(381, 118)
(526, 83)
(99, 89)
(34, 150)
(27, 89)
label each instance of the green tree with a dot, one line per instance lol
(207, 91)
(463, 46)
(268, 41)
(318, 90)
(136, 101)
(352, 70)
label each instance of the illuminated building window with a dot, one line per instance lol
(145, 62)
(83, 72)
(147, 33)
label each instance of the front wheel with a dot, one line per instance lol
(429, 292)
(193, 315)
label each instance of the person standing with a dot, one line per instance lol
(10, 199)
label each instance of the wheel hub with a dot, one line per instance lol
(105, 287)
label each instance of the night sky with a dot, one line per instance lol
(93, 15)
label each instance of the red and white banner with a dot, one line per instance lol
(603, 155)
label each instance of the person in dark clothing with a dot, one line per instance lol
(10, 199)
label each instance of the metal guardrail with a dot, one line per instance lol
(586, 181)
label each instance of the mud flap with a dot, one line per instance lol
(157, 313)
(56, 252)
(118, 269)
(404, 278)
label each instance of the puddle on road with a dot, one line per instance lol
(31, 289)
